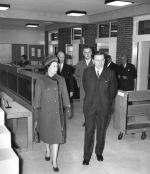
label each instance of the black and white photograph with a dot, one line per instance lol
(75, 86)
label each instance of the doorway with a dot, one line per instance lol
(148, 87)
(143, 66)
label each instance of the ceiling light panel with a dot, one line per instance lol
(76, 13)
(4, 6)
(118, 3)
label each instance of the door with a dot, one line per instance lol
(18, 50)
(148, 87)
(36, 52)
(143, 65)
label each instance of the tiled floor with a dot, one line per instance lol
(131, 155)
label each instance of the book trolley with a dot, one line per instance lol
(132, 113)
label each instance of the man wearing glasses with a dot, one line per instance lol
(100, 87)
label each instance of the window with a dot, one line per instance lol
(144, 27)
(113, 29)
(108, 30)
(54, 36)
(76, 33)
(104, 30)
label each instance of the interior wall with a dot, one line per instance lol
(9, 37)
(143, 64)
(21, 37)
(75, 53)
(5, 53)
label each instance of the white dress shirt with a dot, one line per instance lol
(98, 71)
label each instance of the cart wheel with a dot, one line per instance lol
(120, 136)
(143, 136)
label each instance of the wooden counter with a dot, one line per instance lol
(19, 84)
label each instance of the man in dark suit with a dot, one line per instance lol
(66, 71)
(110, 64)
(127, 75)
(100, 86)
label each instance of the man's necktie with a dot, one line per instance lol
(98, 74)
(60, 67)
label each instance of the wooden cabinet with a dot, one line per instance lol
(132, 112)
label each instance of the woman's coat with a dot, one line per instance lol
(51, 97)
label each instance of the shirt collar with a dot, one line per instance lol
(100, 70)
(87, 61)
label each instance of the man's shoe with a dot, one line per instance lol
(100, 157)
(86, 162)
(36, 137)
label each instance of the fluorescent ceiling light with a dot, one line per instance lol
(32, 25)
(113, 30)
(75, 13)
(118, 3)
(77, 28)
(4, 6)
(78, 34)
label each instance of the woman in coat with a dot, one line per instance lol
(51, 97)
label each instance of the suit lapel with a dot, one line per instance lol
(63, 69)
(85, 65)
(103, 74)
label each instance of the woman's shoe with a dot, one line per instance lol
(47, 158)
(55, 169)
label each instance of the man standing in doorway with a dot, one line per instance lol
(82, 64)
(100, 86)
(127, 75)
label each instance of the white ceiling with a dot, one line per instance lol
(49, 13)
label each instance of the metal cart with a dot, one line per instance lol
(132, 112)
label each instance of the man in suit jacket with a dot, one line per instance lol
(100, 91)
(87, 61)
(110, 64)
(127, 75)
(67, 72)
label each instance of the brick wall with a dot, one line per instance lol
(124, 38)
(64, 37)
(89, 33)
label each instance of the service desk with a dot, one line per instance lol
(18, 111)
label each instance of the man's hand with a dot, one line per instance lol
(71, 94)
(125, 77)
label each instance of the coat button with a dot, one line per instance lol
(56, 112)
(48, 89)
(55, 101)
